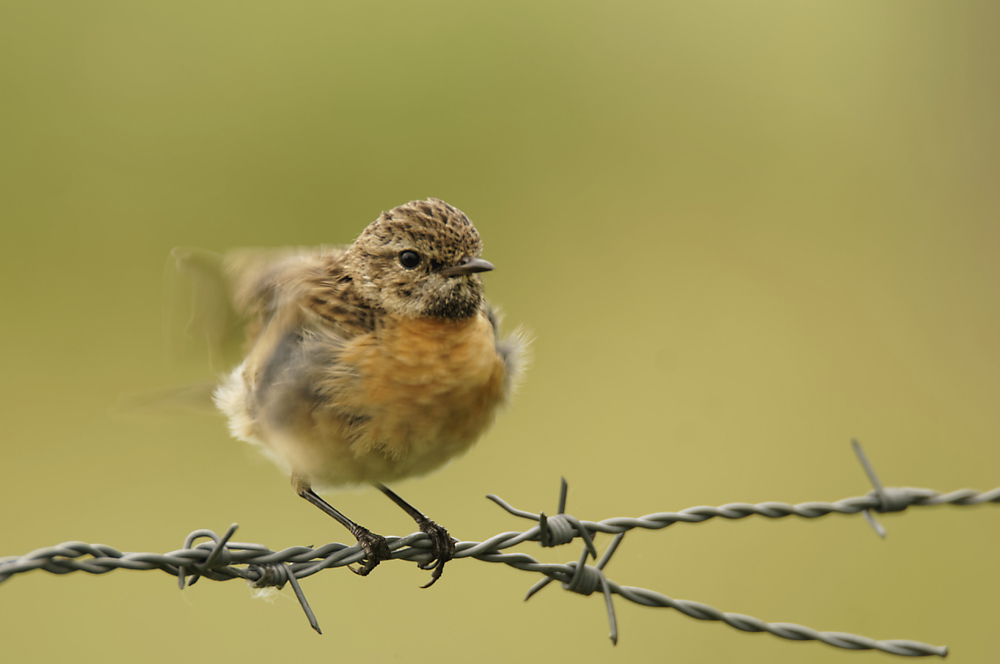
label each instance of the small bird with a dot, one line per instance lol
(370, 363)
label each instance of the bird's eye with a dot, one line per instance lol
(409, 259)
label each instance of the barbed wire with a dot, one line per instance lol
(222, 559)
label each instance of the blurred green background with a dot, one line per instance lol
(740, 232)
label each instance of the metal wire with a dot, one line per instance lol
(221, 559)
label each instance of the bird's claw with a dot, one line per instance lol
(442, 549)
(376, 550)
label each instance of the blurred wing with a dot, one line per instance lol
(201, 319)
(182, 400)
(216, 302)
(213, 308)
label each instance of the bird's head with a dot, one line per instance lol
(420, 259)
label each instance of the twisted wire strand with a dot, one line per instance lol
(221, 559)
(789, 631)
(903, 497)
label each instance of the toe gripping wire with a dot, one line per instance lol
(562, 528)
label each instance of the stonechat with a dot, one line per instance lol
(370, 363)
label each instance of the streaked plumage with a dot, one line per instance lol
(363, 368)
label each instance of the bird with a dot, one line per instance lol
(370, 363)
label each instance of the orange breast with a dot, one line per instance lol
(432, 386)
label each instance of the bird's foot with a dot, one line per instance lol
(376, 550)
(442, 548)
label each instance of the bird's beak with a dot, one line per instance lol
(467, 266)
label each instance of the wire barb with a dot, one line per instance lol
(277, 575)
(879, 491)
(553, 530)
(219, 552)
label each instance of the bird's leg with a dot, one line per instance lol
(442, 545)
(376, 549)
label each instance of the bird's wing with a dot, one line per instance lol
(217, 304)
(200, 316)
